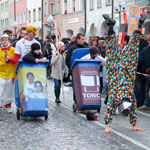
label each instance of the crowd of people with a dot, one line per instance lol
(118, 70)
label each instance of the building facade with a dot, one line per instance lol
(35, 14)
(4, 16)
(18, 14)
(95, 21)
(48, 8)
(68, 14)
(73, 17)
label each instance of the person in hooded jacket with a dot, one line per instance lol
(34, 55)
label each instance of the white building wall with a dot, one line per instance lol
(95, 19)
(31, 5)
(4, 16)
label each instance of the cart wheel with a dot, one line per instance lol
(46, 117)
(18, 114)
(74, 107)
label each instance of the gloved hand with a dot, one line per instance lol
(141, 20)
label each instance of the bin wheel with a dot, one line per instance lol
(46, 117)
(18, 114)
(74, 107)
(98, 110)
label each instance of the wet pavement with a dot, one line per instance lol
(65, 130)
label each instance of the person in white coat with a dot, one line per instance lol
(59, 69)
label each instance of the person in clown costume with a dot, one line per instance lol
(23, 46)
(7, 73)
(121, 73)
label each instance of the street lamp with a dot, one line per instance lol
(120, 10)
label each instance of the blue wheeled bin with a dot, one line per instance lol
(86, 82)
(31, 90)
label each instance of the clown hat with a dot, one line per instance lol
(32, 29)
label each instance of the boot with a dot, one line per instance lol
(57, 94)
(110, 22)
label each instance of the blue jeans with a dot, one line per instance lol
(147, 97)
(57, 84)
(139, 90)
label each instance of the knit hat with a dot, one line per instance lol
(32, 29)
(35, 46)
(93, 50)
(4, 35)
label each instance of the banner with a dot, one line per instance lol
(32, 82)
(134, 14)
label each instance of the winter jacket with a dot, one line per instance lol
(57, 68)
(70, 52)
(30, 57)
(144, 59)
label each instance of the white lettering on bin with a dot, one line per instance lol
(91, 95)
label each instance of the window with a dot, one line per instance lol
(24, 17)
(82, 5)
(29, 16)
(45, 9)
(65, 6)
(52, 8)
(91, 4)
(6, 23)
(73, 5)
(2, 7)
(6, 6)
(34, 15)
(11, 20)
(99, 4)
(58, 6)
(39, 14)
(108, 2)
(2, 23)
(20, 18)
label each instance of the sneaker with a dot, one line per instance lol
(111, 22)
(125, 108)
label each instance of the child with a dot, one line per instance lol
(29, 86)
(56, 59)
(38, 94)
(7, 72)
(34, 55)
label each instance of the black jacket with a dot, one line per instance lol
(144, 59)
(70, 52)
(30, 57)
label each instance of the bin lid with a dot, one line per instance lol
(78, 53)
(21, 63)
(86, 62)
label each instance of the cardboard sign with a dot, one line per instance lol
(134, 10)
(134, 14)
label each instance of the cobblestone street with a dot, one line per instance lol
(65, 130)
